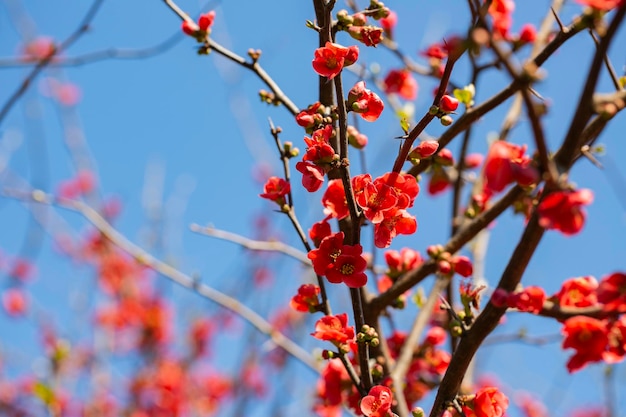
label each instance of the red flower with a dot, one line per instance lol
(395, 222)
(330, 59)
(200, 30)
(306, 299)
(377, 402)
(612, 292)
(435, 336)
(323, 258)
(319, 231)
(375, 199)
(490, 402)
(14, 302)
(528, 33)
(389, 22)
(435, 51)
(404, 185)
(365, 102)
(334, 200)
(205, 21)
(588, 337)
(339, 262)
(578, 292)
(403, 261)
(506, 163)
(310, 117)
(334, 329)
(312, 176)
(530, 299)
(616, 348)
(601, 4)
(562, 211)
(501, 11)
(276, 189)
(318, 149)
(402, 83)
(369, 35)
(438, 181)
(349, 267)
(356, 138)
(462, 265)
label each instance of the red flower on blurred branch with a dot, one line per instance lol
(562, 210)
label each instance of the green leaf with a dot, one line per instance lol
(465, 95)
(419, 298)
(404, 124)
(43, 392)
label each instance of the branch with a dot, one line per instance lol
(256, 245)
(571, 143)
(252, 66)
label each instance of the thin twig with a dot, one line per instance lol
(252, 66)
(256, 245)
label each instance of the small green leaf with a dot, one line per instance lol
(404, 124)
(419, 298)
(465, 95)
(43, 392)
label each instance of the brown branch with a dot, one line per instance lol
(571, 144)
(488, 319)
(252, 66)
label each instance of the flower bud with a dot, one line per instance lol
(446, 120)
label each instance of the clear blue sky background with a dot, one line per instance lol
(192, 130)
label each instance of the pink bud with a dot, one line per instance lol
(206, 20)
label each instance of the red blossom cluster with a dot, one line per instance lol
(306, 299)
(334, 389)
(488, 402)
(384, 202)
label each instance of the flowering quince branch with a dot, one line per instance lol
(476, 112)
(253, 66)
(82, 28)
(458, 50)
(464, 235)
(173, 274)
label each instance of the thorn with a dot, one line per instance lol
(558, 20)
